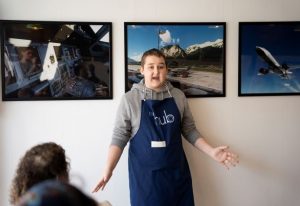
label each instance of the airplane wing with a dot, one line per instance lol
(293, 67)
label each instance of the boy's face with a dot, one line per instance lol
(155, 72)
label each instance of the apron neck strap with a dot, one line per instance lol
(144, 91)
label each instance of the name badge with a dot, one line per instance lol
(158, 143)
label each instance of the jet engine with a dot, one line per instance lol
(263, 71)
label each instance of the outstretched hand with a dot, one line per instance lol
(225, 157)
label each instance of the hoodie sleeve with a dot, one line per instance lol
(188, 127)
(122, 128)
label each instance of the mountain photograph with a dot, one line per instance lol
(194, 52)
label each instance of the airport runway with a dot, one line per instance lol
(211, 82)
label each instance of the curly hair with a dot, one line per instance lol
(41, 162)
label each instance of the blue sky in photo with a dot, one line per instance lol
(144, 37)
(283, 42)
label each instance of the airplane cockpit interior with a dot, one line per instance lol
(57, 60)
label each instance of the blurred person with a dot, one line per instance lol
(41, 162)
(57, 193)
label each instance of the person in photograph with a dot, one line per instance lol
(29, 61)
(153, 116)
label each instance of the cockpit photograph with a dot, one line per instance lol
(56, 60)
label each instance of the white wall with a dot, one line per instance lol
(263, 130)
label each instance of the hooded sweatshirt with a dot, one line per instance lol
(129, 113)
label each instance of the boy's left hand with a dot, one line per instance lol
(225, 157)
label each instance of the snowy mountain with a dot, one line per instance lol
(173, 51)
(196, 47)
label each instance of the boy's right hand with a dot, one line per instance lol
(105, 178)
(114, 155)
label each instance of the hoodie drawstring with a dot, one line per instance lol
(162, 93)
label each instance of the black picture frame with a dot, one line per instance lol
(56, 60)
(198, 68)
(269, 58)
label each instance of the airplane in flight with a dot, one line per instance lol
(274, 67)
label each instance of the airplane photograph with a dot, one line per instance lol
(274, 67)
(269, 58)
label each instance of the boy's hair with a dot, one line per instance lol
(41, 162)
(152, 52)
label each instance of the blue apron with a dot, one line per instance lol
(159, 174)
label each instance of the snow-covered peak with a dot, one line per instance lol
(173, 51)
(218, 43)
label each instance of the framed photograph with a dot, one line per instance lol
(195, 54)
(269, 58)
(56, 60)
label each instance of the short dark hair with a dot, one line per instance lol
(152, 52)
(41, 162)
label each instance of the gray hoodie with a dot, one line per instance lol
(129, 113)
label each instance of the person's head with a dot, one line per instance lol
(55, 193)
(154, 69)
(41, 162)
(27, 54)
